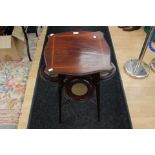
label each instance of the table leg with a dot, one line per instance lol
(98, 100)
(60, 102)
(97, 85)
(60, 88)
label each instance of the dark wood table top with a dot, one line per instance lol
(77, 53)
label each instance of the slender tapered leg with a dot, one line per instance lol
(98, 100)
(60, 88)
(60, 102)
(97, 85)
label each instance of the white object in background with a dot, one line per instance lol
(5, 42)
(18, 33)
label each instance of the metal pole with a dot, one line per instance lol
(145, 45)
(136, 67)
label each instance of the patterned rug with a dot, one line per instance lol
(13, 78)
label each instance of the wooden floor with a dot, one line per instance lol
(23, 120)
(140, 93)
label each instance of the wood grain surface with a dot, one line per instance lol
(77, 53)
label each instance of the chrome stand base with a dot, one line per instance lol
(136, 72)
(152, 64)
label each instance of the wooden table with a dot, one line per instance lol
(79, 55)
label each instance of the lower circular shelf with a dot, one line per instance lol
(79, 89)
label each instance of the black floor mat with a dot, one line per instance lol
(114, 110)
